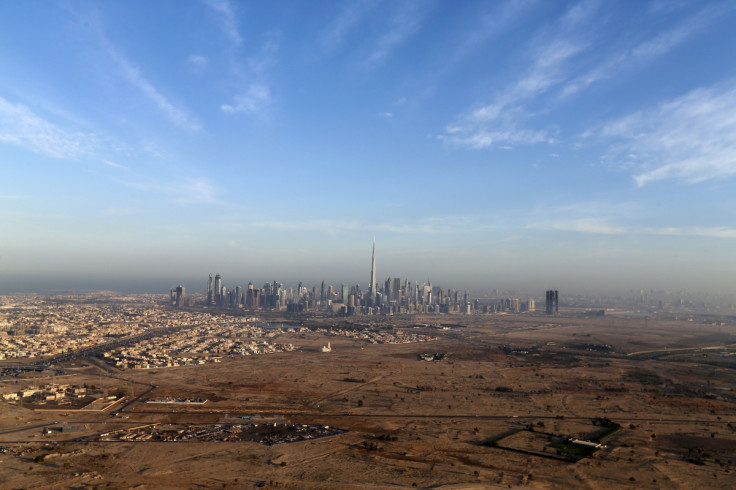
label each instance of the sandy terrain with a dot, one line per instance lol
(411, 422)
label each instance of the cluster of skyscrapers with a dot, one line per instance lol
(394, 296)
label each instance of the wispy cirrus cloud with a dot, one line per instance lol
(254, 75)
(605, 227)
(119, 211)
(22, 127)
(253, 94)
(501, 122)
(404, 22)
(350, 16)
(397, 23)
(195, 191)
(691, 138)
(135, 77)
(197, 62)
(507, 135)
(227, 18)
(582, 225)
(188, 191)
(255, 99)
(498, 19)
(431, 226)
(114, 165)
(644, 51)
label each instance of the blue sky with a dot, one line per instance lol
(585, 145)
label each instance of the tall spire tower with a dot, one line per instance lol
(372, 286)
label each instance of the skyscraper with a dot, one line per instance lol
(218, 289)
(372, 285)
(180, 292)
(552, 301)
(210, 298)
(250, 298)
(396, 290)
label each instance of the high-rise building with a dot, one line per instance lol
(552, 301)
(396, 290)
(238, 296)
(345, 293)
(515, 305)
(180, 292)
(218, 289)
(372, 284)
(210, 297)
(250, 299)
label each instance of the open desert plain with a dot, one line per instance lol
(436, 401)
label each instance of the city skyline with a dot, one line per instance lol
(585, 146)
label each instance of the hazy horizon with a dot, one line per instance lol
(586, 146)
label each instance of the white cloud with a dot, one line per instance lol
(546, 71)
(499, 122)
(228, 20)
(715, 232)
(194, 191)
(404, 23)
(603, 227)
(481, 138)
(257, 95)
(351, 15)
(499, 19)
(386, 115)
(691, 138)
(119, 211)
(255, 99)
(332, 227)
(600, 72)
(580, 13)
(197, 62)
(658, 45)
(582, 225)
(114, 165)
(190, 191)
(133, 75)
(667, 40)
(22, 127)
(265, 58)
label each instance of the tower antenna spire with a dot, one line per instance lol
(372, 284)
